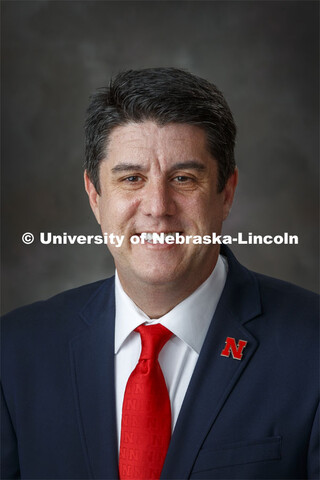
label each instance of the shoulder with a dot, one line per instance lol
(272, 292)
(63, 308)
(289, 317)
(286, 296)
(272, 306)
(275, 288)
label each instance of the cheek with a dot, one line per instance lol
(199, 206)
(207, 211)
(117, 210)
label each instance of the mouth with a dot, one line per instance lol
(156, 238)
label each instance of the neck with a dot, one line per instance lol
(155, 300)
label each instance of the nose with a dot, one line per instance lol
(158, 199)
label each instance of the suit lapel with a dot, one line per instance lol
(215, 376)
(92, 363)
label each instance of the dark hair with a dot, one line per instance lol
(163, 95)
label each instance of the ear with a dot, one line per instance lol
(93, 195)
(228, 192)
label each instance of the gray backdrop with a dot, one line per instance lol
(262, 55)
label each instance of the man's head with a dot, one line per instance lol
(162, 95)
(160, 160)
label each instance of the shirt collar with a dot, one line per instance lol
(189, 320)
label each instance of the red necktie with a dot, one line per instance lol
(146, 411)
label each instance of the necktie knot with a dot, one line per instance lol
(153, 339)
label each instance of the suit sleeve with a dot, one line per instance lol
(314, 450)
(9, 452)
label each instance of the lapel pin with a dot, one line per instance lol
(233, 348)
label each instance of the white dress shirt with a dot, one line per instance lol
(188, 321)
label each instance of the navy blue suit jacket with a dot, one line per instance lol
(254, 418)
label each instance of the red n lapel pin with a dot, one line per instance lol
(233, 348)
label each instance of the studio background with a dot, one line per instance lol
(262, 55)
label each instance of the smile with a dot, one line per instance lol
(159, 237)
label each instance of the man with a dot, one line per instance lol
(226, 383)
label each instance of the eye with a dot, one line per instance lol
(182, 179)
(132, 179)
(132, 182)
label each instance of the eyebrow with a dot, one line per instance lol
(189, 164)
(130, 167)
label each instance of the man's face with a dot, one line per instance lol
(160, 179)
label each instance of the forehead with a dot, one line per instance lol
(166, 140)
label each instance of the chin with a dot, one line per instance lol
(158, 276)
